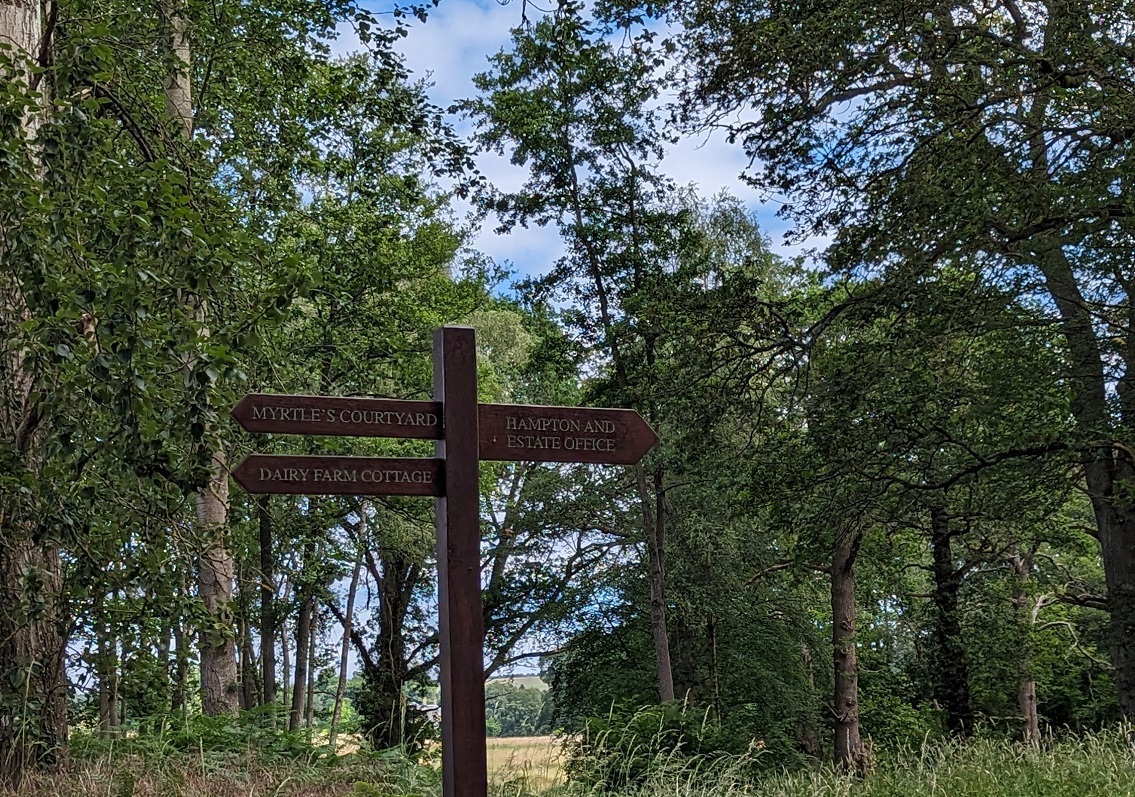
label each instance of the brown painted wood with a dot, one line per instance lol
(335, 415)
(319, 475)
(533, 433)
(522, 432)
(461, 628)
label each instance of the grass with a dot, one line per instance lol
(1099, 765)
(214, 775)
(534, 763)
(1094, 765)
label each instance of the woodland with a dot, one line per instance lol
(890, 523)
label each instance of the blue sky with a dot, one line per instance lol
(455, 43)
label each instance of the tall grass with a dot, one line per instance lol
(1093, 765)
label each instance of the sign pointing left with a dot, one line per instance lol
(318, 475)
(333, 415)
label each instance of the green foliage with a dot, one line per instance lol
(175, 734)
(299, 242)
(892, 712)
(619, 751)
(516, 710)
(223, 762)
(1094, 765)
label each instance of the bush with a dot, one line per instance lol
(619, 751)
(163, 735)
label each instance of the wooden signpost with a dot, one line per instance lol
(465, 433)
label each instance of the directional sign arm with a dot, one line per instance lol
(335, 415)
(534, 433)
(318, 475)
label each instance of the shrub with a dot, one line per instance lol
(620, 750)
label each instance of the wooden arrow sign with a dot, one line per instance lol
(332, 415)
(563, 434)
(318, 475)
(466, 433)
(507, 431)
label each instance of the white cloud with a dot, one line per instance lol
(455, 43)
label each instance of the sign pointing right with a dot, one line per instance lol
(536, 433)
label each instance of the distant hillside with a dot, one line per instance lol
(526, 681)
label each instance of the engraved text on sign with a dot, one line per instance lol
(318, 475)
(563, 434)
(334, 415)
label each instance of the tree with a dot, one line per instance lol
(33, 713)
(994, 136)
(574, 109)
(136, 278)
(514, 710)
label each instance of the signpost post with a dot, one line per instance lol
(465, 433)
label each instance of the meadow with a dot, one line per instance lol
(1092, 765)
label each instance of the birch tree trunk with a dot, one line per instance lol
(33, 685)
(267, 603)
(348, 625)
(219, 681)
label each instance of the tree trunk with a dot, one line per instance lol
(386, 710)
(1109, 471)
(220, 690)
(714, 676)
(248, 690)
(653, 520)
(286, 661)
(106, 671)
(849, 750)
(951, 684)
(809, 738)
(267, 602)
(345, 651)
(33, 685)
(303, 640)
(309, 698)
(179, 698)
(653, 517)
(1026, 690)
(1116, 525)
(33, 722)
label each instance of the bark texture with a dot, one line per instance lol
(33, 623)
(220, 693)
(303, 643)
(951, 664)
(33, 716)
(1109, 471)
(220, 688)
(388, 712)
(849, 750)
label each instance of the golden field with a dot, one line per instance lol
(536, 761)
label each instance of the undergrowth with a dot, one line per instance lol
(227, 762)
(1091, 765)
